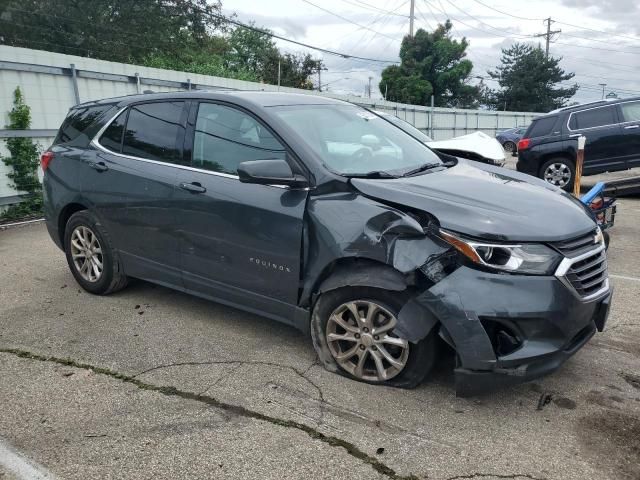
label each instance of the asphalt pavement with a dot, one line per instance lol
(153, 383)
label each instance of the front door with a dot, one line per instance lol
(241, 243)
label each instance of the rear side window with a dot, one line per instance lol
(542, 127)
(225, 137)
(630, 111)
(595, 117)
(154, 131)
(75, 128)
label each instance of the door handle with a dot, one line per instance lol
(575, 135)
(193, 187)
(629, 127)
(100, 166)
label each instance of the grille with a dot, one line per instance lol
(589, 275)
(577, 245)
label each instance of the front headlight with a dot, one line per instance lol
(530, 258)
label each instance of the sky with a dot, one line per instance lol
(599, 39)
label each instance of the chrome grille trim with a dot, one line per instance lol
(585, 276)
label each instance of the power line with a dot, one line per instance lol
(350, 21)
(505, 13)
(548, 35)
(373, 8)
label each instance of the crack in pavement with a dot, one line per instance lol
(239, 410)
(301, 374)
(495, 475)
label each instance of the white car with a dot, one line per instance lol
(474, 146)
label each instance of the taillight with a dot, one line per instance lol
(45, 159)
(524, 143)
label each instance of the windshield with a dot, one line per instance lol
(407, 127)
(353, 141)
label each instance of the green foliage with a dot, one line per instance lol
(431, 63)
(23, 160)
(528, 81)
(183, 35)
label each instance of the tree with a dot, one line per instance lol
(23, 161)
(256, 51)
(528, 81)
(117, 30)
(431, 64)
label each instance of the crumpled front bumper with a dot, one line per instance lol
(548, 318)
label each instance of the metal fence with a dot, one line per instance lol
(54, 82)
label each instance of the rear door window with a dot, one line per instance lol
(111, 139)
(594, 117)
(155, 131)
(75, 127)
(630, 111)
(225, 137)
(542, 127)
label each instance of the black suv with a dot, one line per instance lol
(612, 128)
(325, 216)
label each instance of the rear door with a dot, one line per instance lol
(630, 115)
(241, 243)
(604, 138)
(132, 186)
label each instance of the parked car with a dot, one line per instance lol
(612, 128)
(322, 215)
(474, 146)
(509, 138)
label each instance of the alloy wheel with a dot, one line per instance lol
(86, 254)
(509, 146)
(557, 174)
(361, 340)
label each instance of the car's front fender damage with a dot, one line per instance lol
(504, 328)
(394, 251)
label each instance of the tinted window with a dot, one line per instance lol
(112, 136)
(78, 121)
(155, 131)
(596, 117)
(542, 127)
(225, 137)
(630, 111)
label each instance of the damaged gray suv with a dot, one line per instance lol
(323, 215)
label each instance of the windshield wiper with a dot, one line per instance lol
(372, 174)
(422, 168)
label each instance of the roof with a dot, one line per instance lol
(260, 98)
(597, 103)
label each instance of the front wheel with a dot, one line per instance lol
(559, 172)
(353, 334)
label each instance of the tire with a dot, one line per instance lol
(509, 146)
(559, 172)
(86, 239)
(417, 363)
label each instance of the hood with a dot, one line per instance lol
(487, 202)
(476, 142)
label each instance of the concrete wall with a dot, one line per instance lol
(47, 83)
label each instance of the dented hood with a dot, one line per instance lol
(487, 202)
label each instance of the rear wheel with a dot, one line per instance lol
(559, 172)
(353, 334)
(509, 146)
(90, 255)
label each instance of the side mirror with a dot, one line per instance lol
(270, 172)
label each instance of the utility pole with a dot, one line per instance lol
(413, 6)
(278, 72)
(369, 90)
(320, 68)
(602, 85)
(548, 35)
